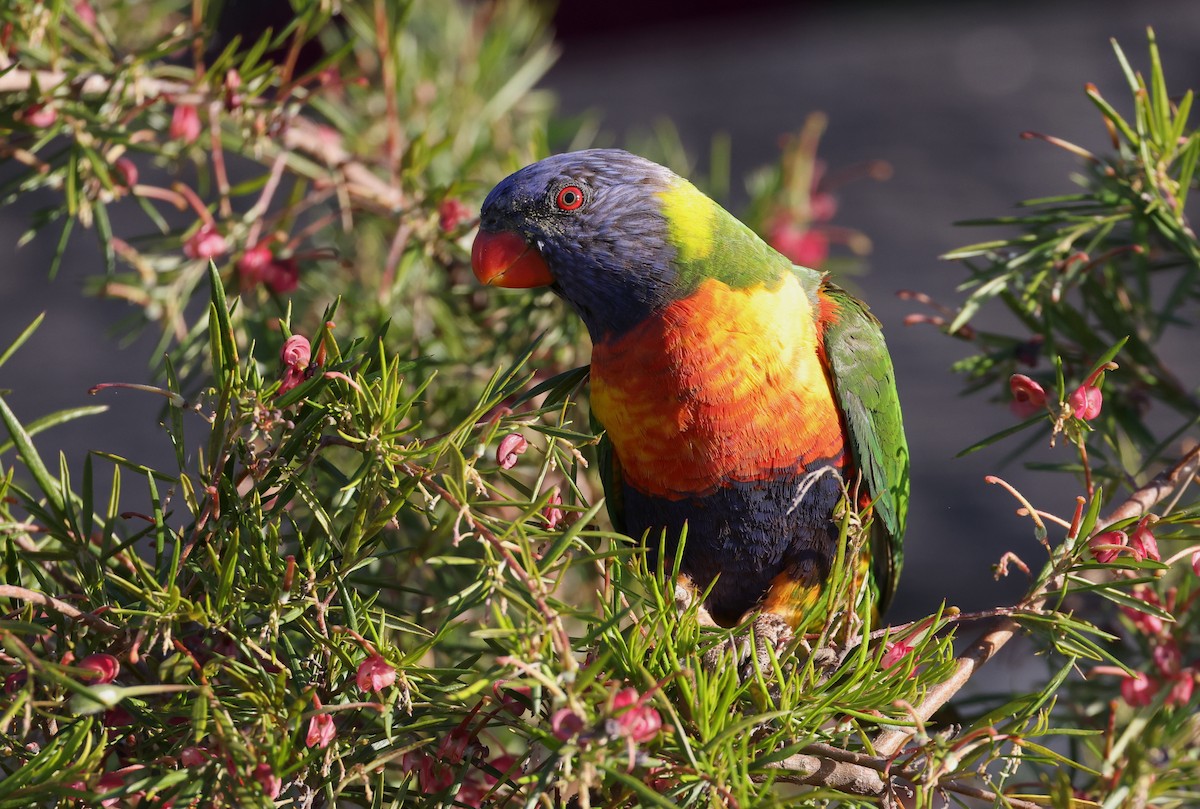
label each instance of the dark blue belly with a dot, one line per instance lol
(743, 535)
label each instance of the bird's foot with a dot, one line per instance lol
(754, 650)
(769, 636)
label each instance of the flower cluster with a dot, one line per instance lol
(627, 715)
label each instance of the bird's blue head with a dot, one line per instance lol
(590, 225)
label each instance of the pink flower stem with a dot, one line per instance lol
(163, 194)
(194, 200)
(1030, 511)
(259, 210)
(1087, 469)
(218, 157)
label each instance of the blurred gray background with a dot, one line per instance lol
(939, 90)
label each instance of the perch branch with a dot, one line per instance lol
(992, 640)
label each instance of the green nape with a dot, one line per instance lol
(710, 242)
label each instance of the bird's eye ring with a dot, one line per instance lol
(569, 198)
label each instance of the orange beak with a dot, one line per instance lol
(504, 259)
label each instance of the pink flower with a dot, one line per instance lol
(296, 352)
(808, 248)
(295, 356)
(552, 512)
(638, 721)
(185, 124)
(1196, 561)
(375, 674)
(271, 783)
(452, 213)
(1086, 401)
(321, 731)
(39, 116)
(1029, 398)
(1138, 690)
(1107, 546)
(125, 172)
(510, 447)
(207, 242)
(1142, 542)
(895, 653)
(565, 723)
(104, 668)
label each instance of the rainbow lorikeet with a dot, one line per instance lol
(740, 394)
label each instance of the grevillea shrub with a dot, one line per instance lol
(378, 570)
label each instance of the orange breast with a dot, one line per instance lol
(726, 385)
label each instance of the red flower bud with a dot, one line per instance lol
(552, 512)
(510, 447)
(185, 124)
(125, 172)
(39, 116)
(252, 265)
(1168, 659)
(1142, 542)
(271, 783)
(452, 213)
(565, 723)
(638, 721)
(207, 242)
(282, 275)
(1107, 546)
(104, 667)
(1086, 401)
(1138, 690)
(1028, 397)
(194, 756)
(1181, 689)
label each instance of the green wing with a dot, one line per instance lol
(610, 475)
(865, 387)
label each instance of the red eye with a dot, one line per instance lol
(569, 198)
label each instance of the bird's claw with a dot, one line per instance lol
(753, 651)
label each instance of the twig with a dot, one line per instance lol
(41, 599)
(1145, 498)
(992, 640)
